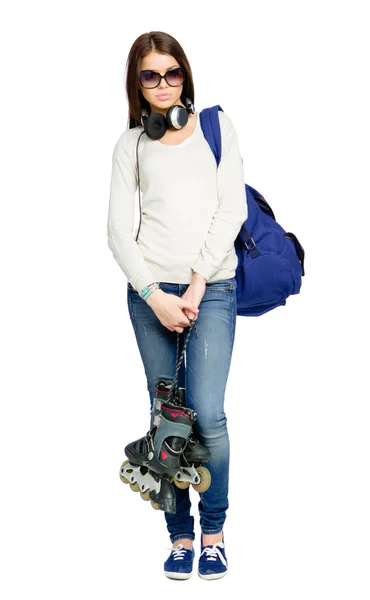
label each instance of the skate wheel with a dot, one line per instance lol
(154, 505)
(205, 480)
(122, 477)
(182, 485)
(145, 495)
(135, 487)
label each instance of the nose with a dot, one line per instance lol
(163, 84)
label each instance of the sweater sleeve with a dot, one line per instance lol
(121, 220)
(232, 209)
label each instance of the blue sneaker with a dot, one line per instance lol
(212, 561)
(179, 564)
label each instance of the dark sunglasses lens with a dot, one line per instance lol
(149, 78)
(175, 77)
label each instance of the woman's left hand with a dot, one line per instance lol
(194, 294)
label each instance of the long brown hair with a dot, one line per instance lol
(147, 42)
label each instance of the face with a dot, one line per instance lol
(161, 63)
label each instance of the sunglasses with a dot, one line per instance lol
(151, 79)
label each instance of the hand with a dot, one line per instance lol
(169, 310)
(194, 294)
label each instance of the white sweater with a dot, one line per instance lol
(192, 211)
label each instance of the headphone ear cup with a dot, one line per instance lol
(176, 117)
(155, 126)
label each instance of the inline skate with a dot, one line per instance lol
(169, 453)
(191, 471)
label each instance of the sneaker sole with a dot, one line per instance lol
(213, 575)
(175, 575)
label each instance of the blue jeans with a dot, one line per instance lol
(204, 372)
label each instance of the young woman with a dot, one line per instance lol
(191, 215)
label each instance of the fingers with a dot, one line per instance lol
(190, 305)
(187, 311)
(185, 322)
(180, 329)
(186, 318)
(191, 315)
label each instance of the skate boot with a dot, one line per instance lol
(191, 471)
(154, 459)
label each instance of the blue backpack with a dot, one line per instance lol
(270, 260)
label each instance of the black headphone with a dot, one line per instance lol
(155, 126)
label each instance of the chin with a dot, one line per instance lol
(165, 104)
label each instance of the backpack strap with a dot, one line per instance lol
(210, 124)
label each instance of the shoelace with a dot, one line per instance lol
(212, 552)
(178, 552)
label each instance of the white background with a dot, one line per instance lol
(292, 76)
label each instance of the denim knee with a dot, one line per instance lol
(213, 431)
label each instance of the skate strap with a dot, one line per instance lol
(167, 429)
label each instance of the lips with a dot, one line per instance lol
(163, 97)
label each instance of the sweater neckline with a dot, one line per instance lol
(184, 142)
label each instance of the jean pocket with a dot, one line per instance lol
(222, 284)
